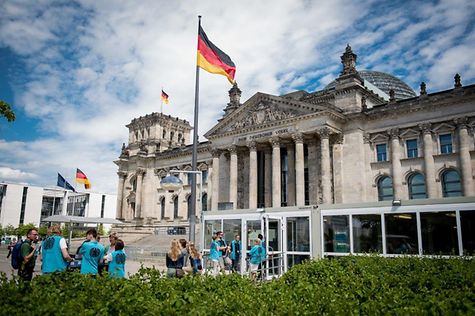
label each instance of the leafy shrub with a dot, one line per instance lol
(349, 285)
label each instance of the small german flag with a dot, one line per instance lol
(165, 97)
(82, 178)
(212, 59)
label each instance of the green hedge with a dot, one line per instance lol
(350, 285)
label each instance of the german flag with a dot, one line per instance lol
(212, 59)
(81, 178)
(164, 97)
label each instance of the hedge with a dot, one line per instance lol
(350, 285)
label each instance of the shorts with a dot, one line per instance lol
(254, 267)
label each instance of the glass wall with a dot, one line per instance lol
(296, 259)
(401, 233)
(336, 233)
(439, 233)
(298, 234)
(367, 233)
(253, 230)
(467, 218)
(211, 227)
(231, 227)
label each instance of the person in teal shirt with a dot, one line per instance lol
(236, 253)
(116, 260)
(214, 254)
(54, 252)
(92, 253)
(255, 258)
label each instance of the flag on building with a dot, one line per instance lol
(64, 184)
(165, 97)
(212, 59)
(82, 178)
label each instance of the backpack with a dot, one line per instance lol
(16, 256)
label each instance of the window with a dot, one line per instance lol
(164, 134)
(175, 207)
(381, 153)
(188, 206)
(204, 176)
(204, 202)
(3, 192)
(467, 218)
(451, 184)
(411, 147)
(439, 233)
(189, 177)
(103, 203)
(162, 207)
(385, 188)
(336, 233)
(401, 233)
(445, 143)
(284, 177)
(367, 233)
(23, 205)
(417, 187)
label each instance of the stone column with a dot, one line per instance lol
(215, 180)
(252, 175)
(267, 178)
(120, 194)
(138, 193)
(396, 163)
(338, 170)
(464, 156)
(291, 175)
(325, 165)
(429, 166)
(233, 176)
(299, 170)
(276, 198)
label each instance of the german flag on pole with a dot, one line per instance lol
(81, 178)
(212, 59)
(164, 97)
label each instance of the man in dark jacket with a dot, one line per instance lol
(28, 254)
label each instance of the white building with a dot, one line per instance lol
(25, 204)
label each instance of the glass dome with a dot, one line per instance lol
(385, 82)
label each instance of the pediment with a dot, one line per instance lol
(261, 110)
(410, 132)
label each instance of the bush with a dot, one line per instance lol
(349, 285)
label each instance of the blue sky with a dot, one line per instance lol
(76, 72)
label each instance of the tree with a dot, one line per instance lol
(6, 111)
(9, 230)
(23, 229)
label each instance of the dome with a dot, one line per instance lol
(385, 82)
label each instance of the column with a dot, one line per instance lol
(429, 166)
(299, 170)
(120, 194)
(233, 176)
(268, 178)
(252, 175)
(464, 156)
(138, 194)
(325, 165)
(338, 170)
(276, 198)
(291, 175)
(396, 163)
(215, 180)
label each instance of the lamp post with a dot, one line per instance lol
(173, 183)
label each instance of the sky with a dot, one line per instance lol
(76, 72)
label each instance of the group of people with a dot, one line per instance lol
(54, 256)
(183, 258)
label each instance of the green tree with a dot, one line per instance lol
(100, 230)
(6, 111)
(2, 231)
(23, 229)
(9, 230)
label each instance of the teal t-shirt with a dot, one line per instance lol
(235, 249)
(256, 254)
(117, 264)
(52, 256)
(92, 252)
(213, 251)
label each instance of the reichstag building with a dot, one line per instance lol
(362, 165)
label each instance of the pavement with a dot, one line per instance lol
(131, 266)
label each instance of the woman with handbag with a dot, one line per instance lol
(175, 260)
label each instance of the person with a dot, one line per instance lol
(116, 260)
(262, 264)
(28, 254)
(223, 250)
(195, 259)
(255, 258)
(107, 251)
(92, 253)
(174, 260)
(185, 253)
(54, 254)
(214, 254)
(10, 247)
(236, 253)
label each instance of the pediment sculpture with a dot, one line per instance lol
(263, 113)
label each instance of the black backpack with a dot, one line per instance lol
(17, 258)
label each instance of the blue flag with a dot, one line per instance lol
(64, 184)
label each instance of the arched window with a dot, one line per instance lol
(385, 188)
(171, 135)
(164, 134)
(175, 207)
(451, 184)
(188, 206)
(417, 187)
(162, 208)
(204, 202)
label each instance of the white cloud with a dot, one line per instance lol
(93, 66)
(7, 173)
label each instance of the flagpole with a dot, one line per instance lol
(161, 101)
(195, 149)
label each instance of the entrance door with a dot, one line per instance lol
(274, 233)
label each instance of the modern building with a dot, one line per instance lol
(321, 167)
(25, 204)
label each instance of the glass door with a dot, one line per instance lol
(274, 232)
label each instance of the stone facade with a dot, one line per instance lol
(349, 143)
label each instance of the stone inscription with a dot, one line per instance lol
(263, 135)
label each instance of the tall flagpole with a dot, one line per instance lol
(161, 101)
(195, 148)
